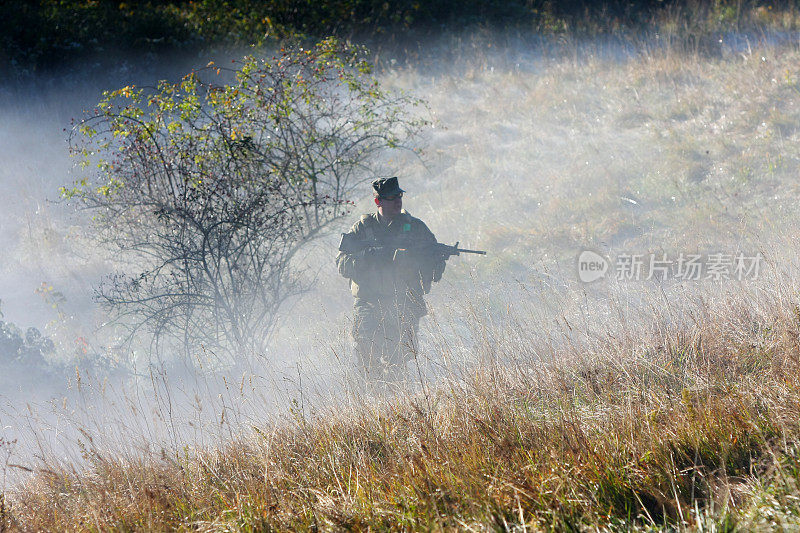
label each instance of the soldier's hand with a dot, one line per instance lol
(438, 270)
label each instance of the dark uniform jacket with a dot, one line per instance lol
(399, 280)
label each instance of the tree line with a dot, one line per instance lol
(45, 33)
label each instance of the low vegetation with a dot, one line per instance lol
(692, 425)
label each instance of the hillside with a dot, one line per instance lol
(686, 426)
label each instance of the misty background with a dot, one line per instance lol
(539, 149)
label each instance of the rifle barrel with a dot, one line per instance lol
(464, 251)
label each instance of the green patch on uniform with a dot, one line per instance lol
(406, 227)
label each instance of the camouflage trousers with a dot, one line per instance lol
(384, 336)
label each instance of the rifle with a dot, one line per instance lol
(446, 251)
(350, 244)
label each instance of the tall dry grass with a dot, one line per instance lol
(688, 425)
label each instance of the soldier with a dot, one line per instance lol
(388, 282)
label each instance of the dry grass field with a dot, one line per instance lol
(688, 426)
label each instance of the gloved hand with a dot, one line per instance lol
(438, 269)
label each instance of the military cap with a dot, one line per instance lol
(386, 187)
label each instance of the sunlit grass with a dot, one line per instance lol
(555, 153)
(691, 424)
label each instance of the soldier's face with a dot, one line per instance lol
(390, 207)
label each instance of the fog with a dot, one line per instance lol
(538, 152)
